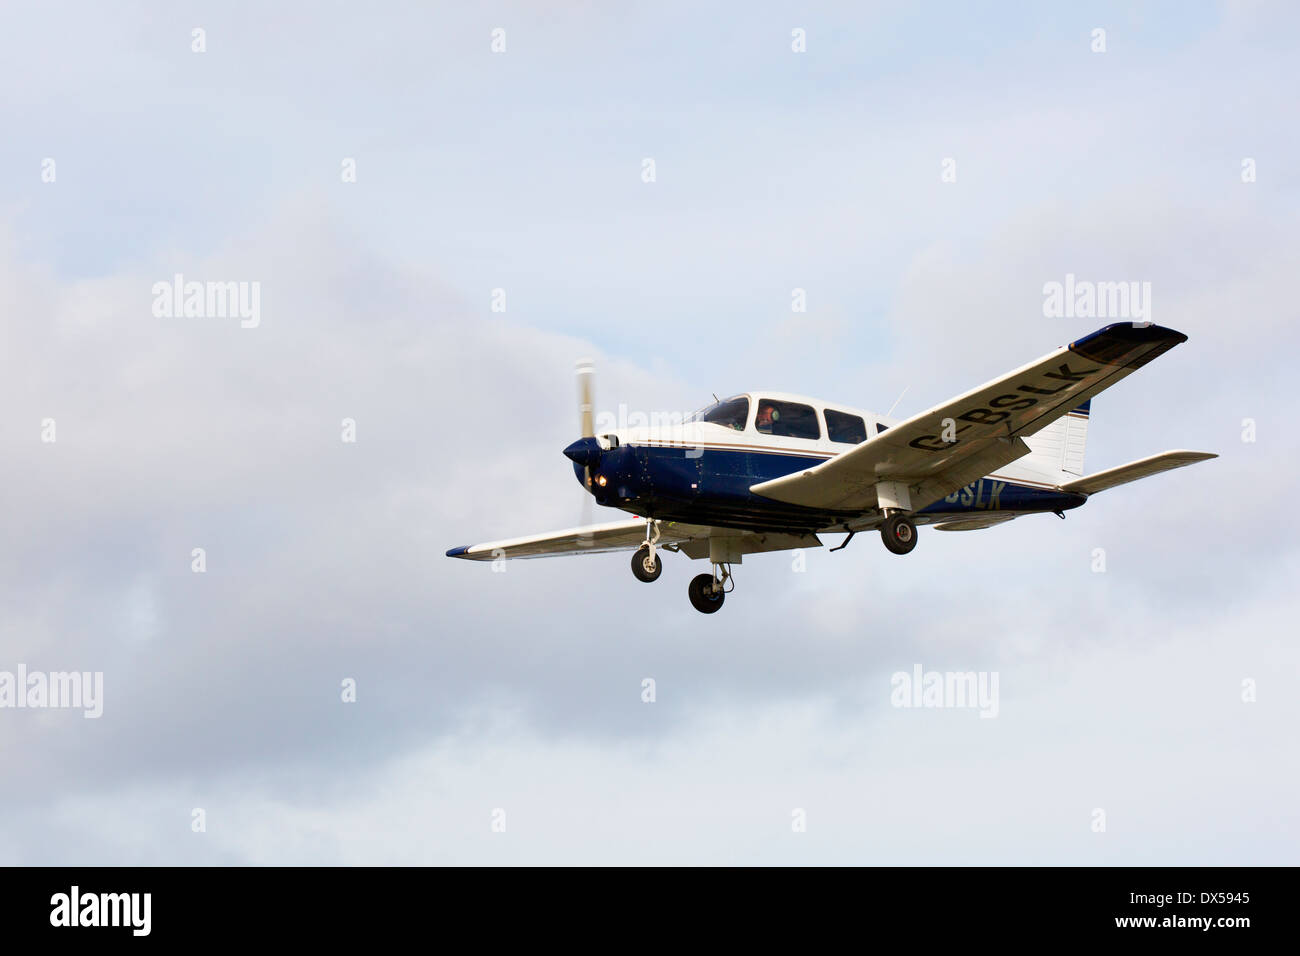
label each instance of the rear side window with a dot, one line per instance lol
(787, 419)
(841, 426)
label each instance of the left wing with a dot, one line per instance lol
(947, 447)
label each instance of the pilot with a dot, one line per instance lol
(765, 417)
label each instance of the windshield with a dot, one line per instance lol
(732, 412)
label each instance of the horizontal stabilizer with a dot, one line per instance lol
(1142, 468)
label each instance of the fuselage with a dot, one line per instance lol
(701, 471)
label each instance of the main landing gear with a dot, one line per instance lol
(898, 533)
(645, 562)
(708, 591)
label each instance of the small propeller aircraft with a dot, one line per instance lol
(768, 471)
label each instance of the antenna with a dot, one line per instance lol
(890, 413)
(715, 396)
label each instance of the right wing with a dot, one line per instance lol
(987, 425)
(692, 540)
(1142, 468)
(592, 539)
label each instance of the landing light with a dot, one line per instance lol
(600, 480)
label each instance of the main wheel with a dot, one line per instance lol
(644, 567)
(899, 534)
(703, 597)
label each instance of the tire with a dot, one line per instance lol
(899, 534)
(703, 598)
(639, 562)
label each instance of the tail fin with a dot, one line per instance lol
(1060, 445)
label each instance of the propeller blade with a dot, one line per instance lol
(585, 538)
(586, 373)
(586, 425)
(586, 399)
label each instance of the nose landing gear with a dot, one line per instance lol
(645, 561)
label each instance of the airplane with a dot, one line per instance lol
(769, 471)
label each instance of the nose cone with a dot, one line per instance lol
(584, 451)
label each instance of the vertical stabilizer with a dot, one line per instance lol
(1060, 445)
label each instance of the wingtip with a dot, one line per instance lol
(458, 552)
(1127, 344)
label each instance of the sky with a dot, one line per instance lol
(438, 231)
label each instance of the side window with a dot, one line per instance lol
(841, 426)
(787, 419)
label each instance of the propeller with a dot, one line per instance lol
(586, 401)
(586, 374)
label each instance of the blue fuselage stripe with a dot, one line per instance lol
(711, 486)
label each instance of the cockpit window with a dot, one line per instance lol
(843, 427)
(787, 419)
(732, 412)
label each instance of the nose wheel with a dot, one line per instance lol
(645, 561)
(708, 591)
(646, 564)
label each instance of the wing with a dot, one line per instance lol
(591, 539)
(985, 426)
(693, 540)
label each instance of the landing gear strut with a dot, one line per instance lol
(645, 562)
(898, 533)
(708, 591)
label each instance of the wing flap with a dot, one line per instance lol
(973, 524)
